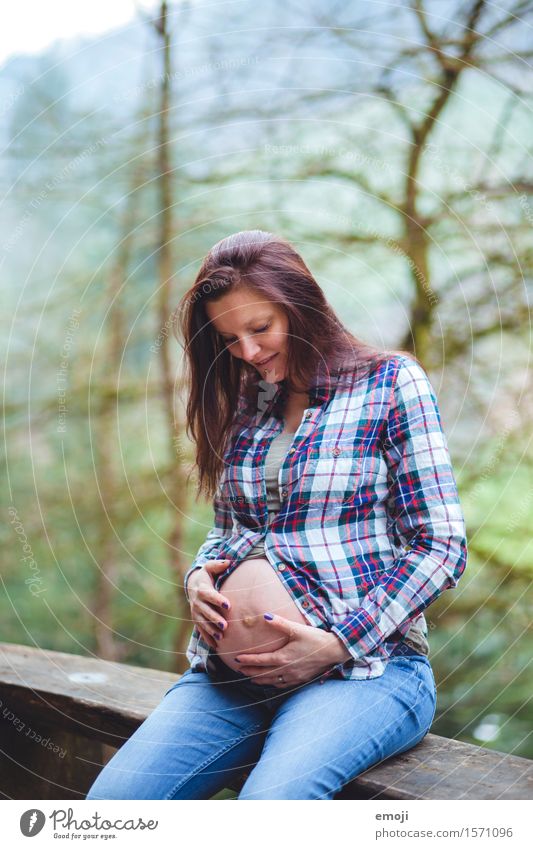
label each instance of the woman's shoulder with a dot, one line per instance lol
(411, 378)
(383, 368)
(394, 380)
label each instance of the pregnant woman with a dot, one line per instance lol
(337, 523)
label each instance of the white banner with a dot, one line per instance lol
(201, 824)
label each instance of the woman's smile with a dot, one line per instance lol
(267, 361)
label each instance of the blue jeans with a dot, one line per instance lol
(302, 742)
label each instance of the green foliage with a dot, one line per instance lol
(94, 501)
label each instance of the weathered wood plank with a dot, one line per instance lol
(99, 699)
(106, 702)
(438, 768)
(43, 762)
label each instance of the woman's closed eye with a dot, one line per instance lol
(259, 330)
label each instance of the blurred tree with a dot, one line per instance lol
(166, 199)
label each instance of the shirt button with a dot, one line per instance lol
(305, 603)
(281, 567)
(292, 450)
(336, 452)
(284, 493)
(308, 414)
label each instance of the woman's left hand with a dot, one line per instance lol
(308, 653)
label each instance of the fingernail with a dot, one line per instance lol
(221, 625)
(268, 616)
(225, 605)
(237, 659)
(216, 636)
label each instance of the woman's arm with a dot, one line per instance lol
(425, 515)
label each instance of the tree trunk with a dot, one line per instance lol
(177, 489)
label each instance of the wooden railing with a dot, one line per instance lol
(62, 716)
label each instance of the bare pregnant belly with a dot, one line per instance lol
(253, 589)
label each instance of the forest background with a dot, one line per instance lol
(391, 144)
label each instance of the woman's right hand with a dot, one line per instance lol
(206, 602)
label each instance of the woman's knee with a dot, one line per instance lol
(106, 790)
(198, 734)
(116, 784)
(302, 787)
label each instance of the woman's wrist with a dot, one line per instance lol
(337, 651)
(191, 577)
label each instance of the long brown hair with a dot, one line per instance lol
(217, 381)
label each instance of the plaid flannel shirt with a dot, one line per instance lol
(370, 530)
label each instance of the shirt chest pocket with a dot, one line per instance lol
(345, 473)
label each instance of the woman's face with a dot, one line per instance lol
(252, 329)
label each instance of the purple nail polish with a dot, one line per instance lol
(216, 636)
(220, 625)
(268, 616)
(225, 605)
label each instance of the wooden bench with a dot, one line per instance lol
(62, 716)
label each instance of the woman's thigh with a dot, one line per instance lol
(201, 734)
(326, 734)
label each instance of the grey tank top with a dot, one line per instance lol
(274, 458)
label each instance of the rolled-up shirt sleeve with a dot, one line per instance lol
(425, 516)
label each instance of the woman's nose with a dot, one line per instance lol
(250, 349)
